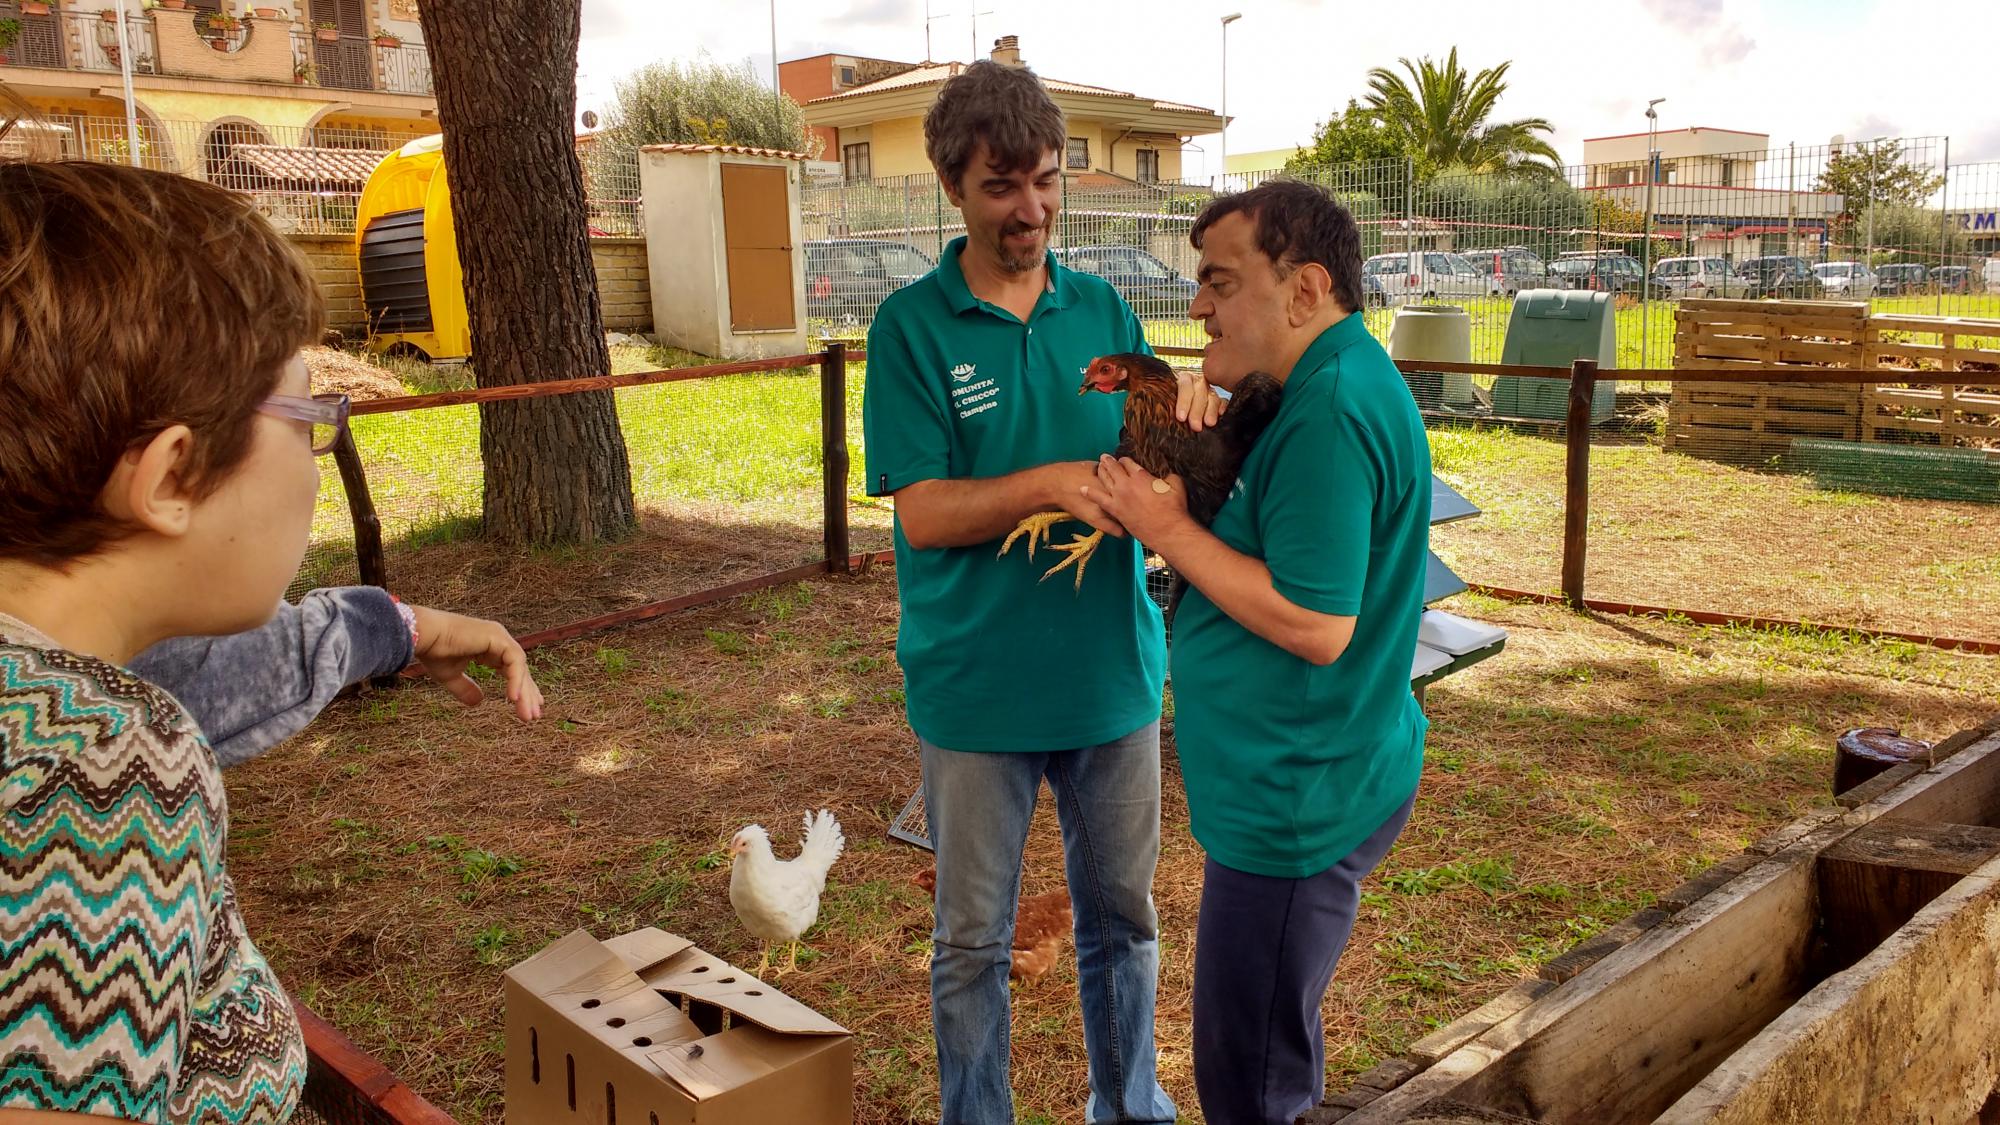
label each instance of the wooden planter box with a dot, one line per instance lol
(1846, 968)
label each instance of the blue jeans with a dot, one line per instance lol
(1264, 954)
(978, 807)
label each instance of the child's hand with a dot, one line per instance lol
(447, 642)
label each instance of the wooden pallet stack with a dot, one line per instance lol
(1962, 416)
(1754, 421)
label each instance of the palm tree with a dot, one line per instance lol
(1440, 115)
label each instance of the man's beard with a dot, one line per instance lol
(1023, 263)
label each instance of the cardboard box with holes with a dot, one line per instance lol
(647, 1029)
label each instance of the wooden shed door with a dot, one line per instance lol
(757, 240)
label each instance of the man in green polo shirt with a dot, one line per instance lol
(973, 422)
(1298, 736)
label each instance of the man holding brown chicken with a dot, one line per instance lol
(1299, 759)
(973, 423)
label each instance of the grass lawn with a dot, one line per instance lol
(399, 855)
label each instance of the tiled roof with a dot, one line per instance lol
(936, 73)
(327, 166)
(734, 150)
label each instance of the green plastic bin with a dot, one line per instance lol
(1554, 328)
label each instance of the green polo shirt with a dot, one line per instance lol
(1289, 766)
(993, 658)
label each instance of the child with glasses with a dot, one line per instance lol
(157, 479)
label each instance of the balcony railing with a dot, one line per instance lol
(357, 62)
(66, 40)
(87, 41)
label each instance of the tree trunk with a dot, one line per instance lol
(505, 75)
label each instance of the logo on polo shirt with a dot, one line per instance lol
(969, 398)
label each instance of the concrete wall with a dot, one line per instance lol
(683, 205)
(622, 282)
(263, 54)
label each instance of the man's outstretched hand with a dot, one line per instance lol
(448, 642)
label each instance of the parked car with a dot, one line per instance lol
(847, 277)
(1435, 274)
(1904, 277)
(1608, 272)
(1954, 279)
(1373, 295)
(1779, 275)
(1510, 269)
(1153, 289)
(1696, 277)
(1846, 279)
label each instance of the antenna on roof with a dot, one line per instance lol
(930, 18)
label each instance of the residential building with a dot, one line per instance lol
(1266, 160)
(1715, 191)
(326, 75)
(869, 116)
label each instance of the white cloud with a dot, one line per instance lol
(1797, 69)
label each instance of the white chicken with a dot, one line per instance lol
(778, 899)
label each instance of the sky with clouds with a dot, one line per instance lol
(1799, 70)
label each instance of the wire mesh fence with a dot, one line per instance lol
(1891, 222)
(727, 474)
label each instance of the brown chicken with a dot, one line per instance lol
(1208, 462)
(1042, 923)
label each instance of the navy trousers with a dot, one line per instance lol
(1264, 954)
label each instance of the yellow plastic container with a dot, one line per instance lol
(412, 286)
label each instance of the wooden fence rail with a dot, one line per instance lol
(832, 362)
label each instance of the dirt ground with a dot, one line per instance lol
(1677, 531)
(398, 856)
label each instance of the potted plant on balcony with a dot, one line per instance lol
(269, 13)
(304, 73)
(173, 5)
(108, 15)
(34, 7)
(218, 27)
(10, 33)
(386, 38)
(326, 32)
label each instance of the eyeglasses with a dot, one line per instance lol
(327, 414)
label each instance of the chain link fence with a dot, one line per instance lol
(1852, 502)
(728, 476)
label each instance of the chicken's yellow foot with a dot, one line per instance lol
(1079, 548)
(1035, 527)
(763, 960)
(792, 962)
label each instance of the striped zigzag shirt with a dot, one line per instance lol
(128, 987)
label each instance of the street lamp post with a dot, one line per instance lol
(1223, 166)
(1646, 272)
(125, 78)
